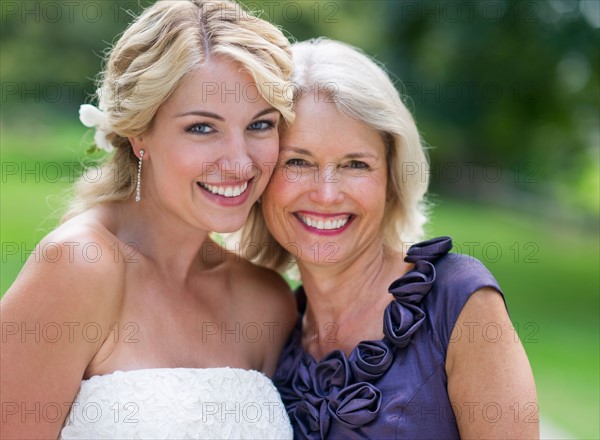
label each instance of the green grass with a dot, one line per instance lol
(37, 170)
(551, 287)
(548, 271)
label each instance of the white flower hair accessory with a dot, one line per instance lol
(92, 117)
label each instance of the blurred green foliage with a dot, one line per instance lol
(505, 93)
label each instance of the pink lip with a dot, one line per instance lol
(324, 232)
(227, 201)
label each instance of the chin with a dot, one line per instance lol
(227, 220)
(222, 228)
(319, 253)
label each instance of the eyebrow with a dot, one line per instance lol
(360, 156)
(296, 150)
(221, 118)
(347, 156)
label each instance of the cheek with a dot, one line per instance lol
(265, 159)
(171, 153)
(371, 195)
(282, 189)
(266, 154)
(271, 198)
(378, 199)
(273, 217)
(276, 198)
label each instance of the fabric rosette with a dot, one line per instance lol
(355, 405)
(302, 382)
(429, 250)
(331, 374)
(311, 420)
(370, 360)
(288, 366)
(401, 321)
(403, 317)
(412, 287)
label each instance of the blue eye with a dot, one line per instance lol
(200, 129)
(261, 125)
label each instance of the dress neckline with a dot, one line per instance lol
(408, 291)
(157, 370)
(343, 388)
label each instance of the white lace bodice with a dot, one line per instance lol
(182, 403)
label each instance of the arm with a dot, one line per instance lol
(490, 382)
(45, 351)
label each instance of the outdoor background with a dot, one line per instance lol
(505, 93)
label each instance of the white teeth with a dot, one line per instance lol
(324, 225)
(226, 191)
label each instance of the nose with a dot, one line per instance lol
(327, 187)
(235, 161)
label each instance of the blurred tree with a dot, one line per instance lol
(506, 92)
(52, 51)
(509, 84)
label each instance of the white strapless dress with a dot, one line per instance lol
(178, 403)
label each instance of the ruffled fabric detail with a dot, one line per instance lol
(429, 250)
(340, 389)
(355, 405)
(311, 419)
(178, 403)
(403, 317)
(331, 374)
(370, 360)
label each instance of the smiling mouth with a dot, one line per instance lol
(329, 224)
(225, 191)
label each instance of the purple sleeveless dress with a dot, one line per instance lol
(396, 387)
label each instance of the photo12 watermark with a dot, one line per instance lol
(71, 332)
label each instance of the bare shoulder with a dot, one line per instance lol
(79, 265)
(70, 284)
(79, 244)
(266, 287)
(267, 299)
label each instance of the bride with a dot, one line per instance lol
(133, 323)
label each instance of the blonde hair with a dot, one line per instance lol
(362, 90)
(166, 42)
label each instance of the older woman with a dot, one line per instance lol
(389, 340)
(130, 323)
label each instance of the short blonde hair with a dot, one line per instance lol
(166, 42)
(362, 90)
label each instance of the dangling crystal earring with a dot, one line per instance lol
(138, 196)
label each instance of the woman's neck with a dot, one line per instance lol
(172, 245)
(346, 300)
